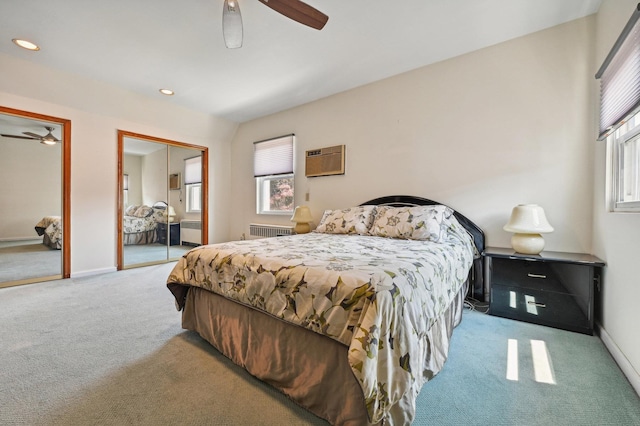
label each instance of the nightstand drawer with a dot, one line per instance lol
(553, 309)
(537, 276)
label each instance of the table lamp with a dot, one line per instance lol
(527, 222)
(169, 214)
(302, 217)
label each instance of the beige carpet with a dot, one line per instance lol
(29, 259)
(109, 350)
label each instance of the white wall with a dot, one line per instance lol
(481, 132)
(154, 177)
(97, 111)
(132, 166)
(37, 172)
(616, 235)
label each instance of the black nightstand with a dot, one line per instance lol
(551, 288)
(174, 233)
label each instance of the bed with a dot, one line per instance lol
(350, 320)
(140, 223)
(50, 228)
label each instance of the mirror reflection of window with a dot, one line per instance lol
(193, 183)
(125, 188)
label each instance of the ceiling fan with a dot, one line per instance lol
(47, 139)
(292, 9)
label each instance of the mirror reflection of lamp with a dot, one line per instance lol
(302, 217)
(125, 182)
(169, 214)
(527, 222)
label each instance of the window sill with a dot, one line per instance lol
(627, 207)
(276, 213)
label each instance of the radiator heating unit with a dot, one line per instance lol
(259, 230)
(190, 232)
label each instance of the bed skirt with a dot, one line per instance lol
(311, 369)
(144, 237)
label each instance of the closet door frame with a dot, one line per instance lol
(122, 134)
(66, 185)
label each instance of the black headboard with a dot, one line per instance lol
(476, 273)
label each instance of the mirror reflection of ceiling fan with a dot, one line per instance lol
(47, 139)
(292, 9)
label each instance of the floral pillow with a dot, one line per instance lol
(131, 210)
(412, 223)
(354, 220)
(158, 214)
(143, 211)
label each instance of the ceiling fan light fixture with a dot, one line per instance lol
(167, 92)
(25, 44)
(232, 24)
(47, 142)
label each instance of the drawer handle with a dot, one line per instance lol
(536, 276)
(539, 305)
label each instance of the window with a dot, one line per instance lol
(624, 152)
(194, 197)
(273, 170)
(125, 190)
(193, 183)
(620, 118)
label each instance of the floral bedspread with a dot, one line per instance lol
(132, 224)
(378, 296)
(51, 228)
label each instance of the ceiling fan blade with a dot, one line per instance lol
(232, 24)
(20, 137)
(33, 135)
(299, 12)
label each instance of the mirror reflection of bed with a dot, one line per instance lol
(31, 209)
(144, 228)
(152, 211)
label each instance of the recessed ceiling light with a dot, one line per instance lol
(167, 92)
(26, 44)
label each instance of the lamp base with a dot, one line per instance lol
(302, 228)
(527, 243)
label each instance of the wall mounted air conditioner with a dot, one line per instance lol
(325, 161)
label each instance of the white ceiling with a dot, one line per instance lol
(145, 45)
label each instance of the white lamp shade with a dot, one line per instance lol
(528, 219)
(302, 217)
(169, 213)
(302, 214)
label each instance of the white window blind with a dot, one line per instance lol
(273, 157)
(620, 79)
(192, 170)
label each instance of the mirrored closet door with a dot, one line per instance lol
(162, 199)
(34, 171)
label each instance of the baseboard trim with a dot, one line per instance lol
(91, 272)
(622, 361)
